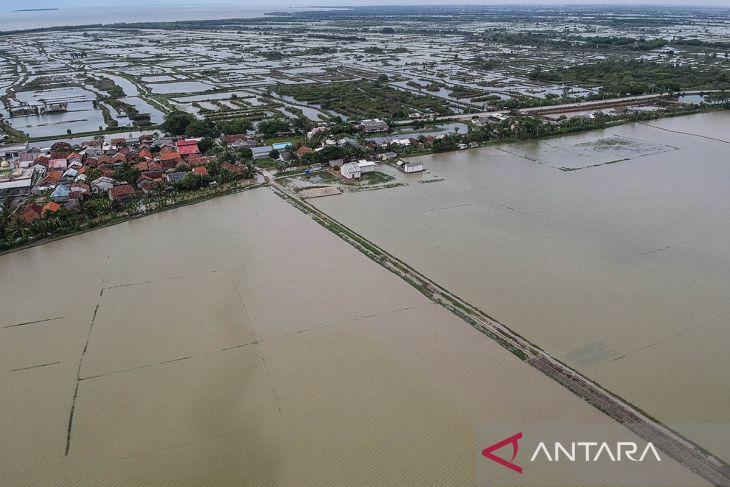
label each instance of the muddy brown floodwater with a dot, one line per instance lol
(609, 249)
(238, 343)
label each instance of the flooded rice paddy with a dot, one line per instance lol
(237, 342)
(609, 249)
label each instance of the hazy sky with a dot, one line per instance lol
(25, 4)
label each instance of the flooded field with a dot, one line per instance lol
(608, 249)
(237, 342)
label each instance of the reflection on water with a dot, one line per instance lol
(620, 270)
(237, 342)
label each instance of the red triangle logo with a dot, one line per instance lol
(487, 452)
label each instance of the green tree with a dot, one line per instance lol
(126, 172)
(197, 128)
(273, 126)
(206, 144)
(235, 126)
(177, 122)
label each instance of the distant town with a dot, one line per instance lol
(105, 122)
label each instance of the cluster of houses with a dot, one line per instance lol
(64, 175)
(355, 170)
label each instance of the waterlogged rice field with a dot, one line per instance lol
(247, 345)
(620, 270)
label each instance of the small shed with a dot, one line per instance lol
(366, 166)
(261, 152)
(351, 170)
(410, 166)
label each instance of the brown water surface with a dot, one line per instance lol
(238, 343)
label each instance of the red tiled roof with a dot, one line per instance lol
(231, 139)
(51, 206)
(200, 170)
(155, 174)
(121, 191)
(230, 167)
(142, 166)
(52, 177)
(32, 212)
(198, 160)
(119, 157)
(169, 156)
(188, 148)
(303, 150)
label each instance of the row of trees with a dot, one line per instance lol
(183, 123)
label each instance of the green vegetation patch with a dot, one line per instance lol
(365, 99)
(375, 178)
(635, 77)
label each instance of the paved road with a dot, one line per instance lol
(585, 105)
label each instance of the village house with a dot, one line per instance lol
(121, 192)
(351, 170)
(31, 212)
(151, 181)
(50, 207)
(117, 144)
(303, 151)
(261, 152)
(366, 166)
(239, 140)
(94, 148)
(315, 132)
(102, 184)
(187, 147)
(409, 166)
(372, 126)
(175, 177)
(282, 146)
(12, 152)
(61, 193)
(169, 159)
(14, 188)
(57, 164)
